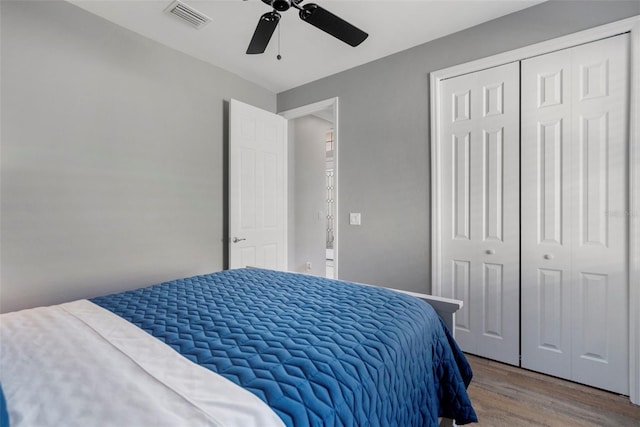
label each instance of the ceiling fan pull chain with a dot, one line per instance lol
(279, 57)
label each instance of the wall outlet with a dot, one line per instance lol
(307, 266)
(355, 218)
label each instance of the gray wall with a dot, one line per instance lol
(112, 157)
(384, 135)
(308, 175)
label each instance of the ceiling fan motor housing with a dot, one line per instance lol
(279, 5)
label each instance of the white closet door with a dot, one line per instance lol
(600, 89)
(479, 142)
(546, 214)
(574, 235)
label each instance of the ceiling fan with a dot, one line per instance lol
(310, 13)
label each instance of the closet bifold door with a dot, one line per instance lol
(574, 223)
(479, 146)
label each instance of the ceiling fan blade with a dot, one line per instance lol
(266, 26)
(332, 24)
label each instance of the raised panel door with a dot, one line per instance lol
(546, 214)
(575, 231)
(600, 90)
(257, 188)
(480, 209)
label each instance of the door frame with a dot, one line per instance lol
(629, 25)
(306, 110)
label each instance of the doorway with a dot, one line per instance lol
(313, 188)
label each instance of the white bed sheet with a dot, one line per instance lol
(78, 364)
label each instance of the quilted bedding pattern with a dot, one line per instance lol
(320, 352)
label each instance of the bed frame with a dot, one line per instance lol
(445, 307)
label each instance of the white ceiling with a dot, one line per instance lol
(307, 53)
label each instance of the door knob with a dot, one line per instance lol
(236, 240)
(490, 252)
(548, 256)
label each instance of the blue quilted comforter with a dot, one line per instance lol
(320, 352)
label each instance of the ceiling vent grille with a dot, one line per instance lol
(188, 14)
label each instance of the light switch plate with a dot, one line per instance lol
(355, 219)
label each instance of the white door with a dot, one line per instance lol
(479, 142)
(574, 222)
(257, 188)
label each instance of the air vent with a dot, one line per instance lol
(188, 14)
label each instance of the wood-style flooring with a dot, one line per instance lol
(504, 395)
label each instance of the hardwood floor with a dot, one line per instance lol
(504, 395)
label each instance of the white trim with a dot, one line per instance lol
(631, 25)
(285, 177)
(571, 40)
(336, 174)
(634, 217)
(306, 110)
(436, 194)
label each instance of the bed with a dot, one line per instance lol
(245, 347)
